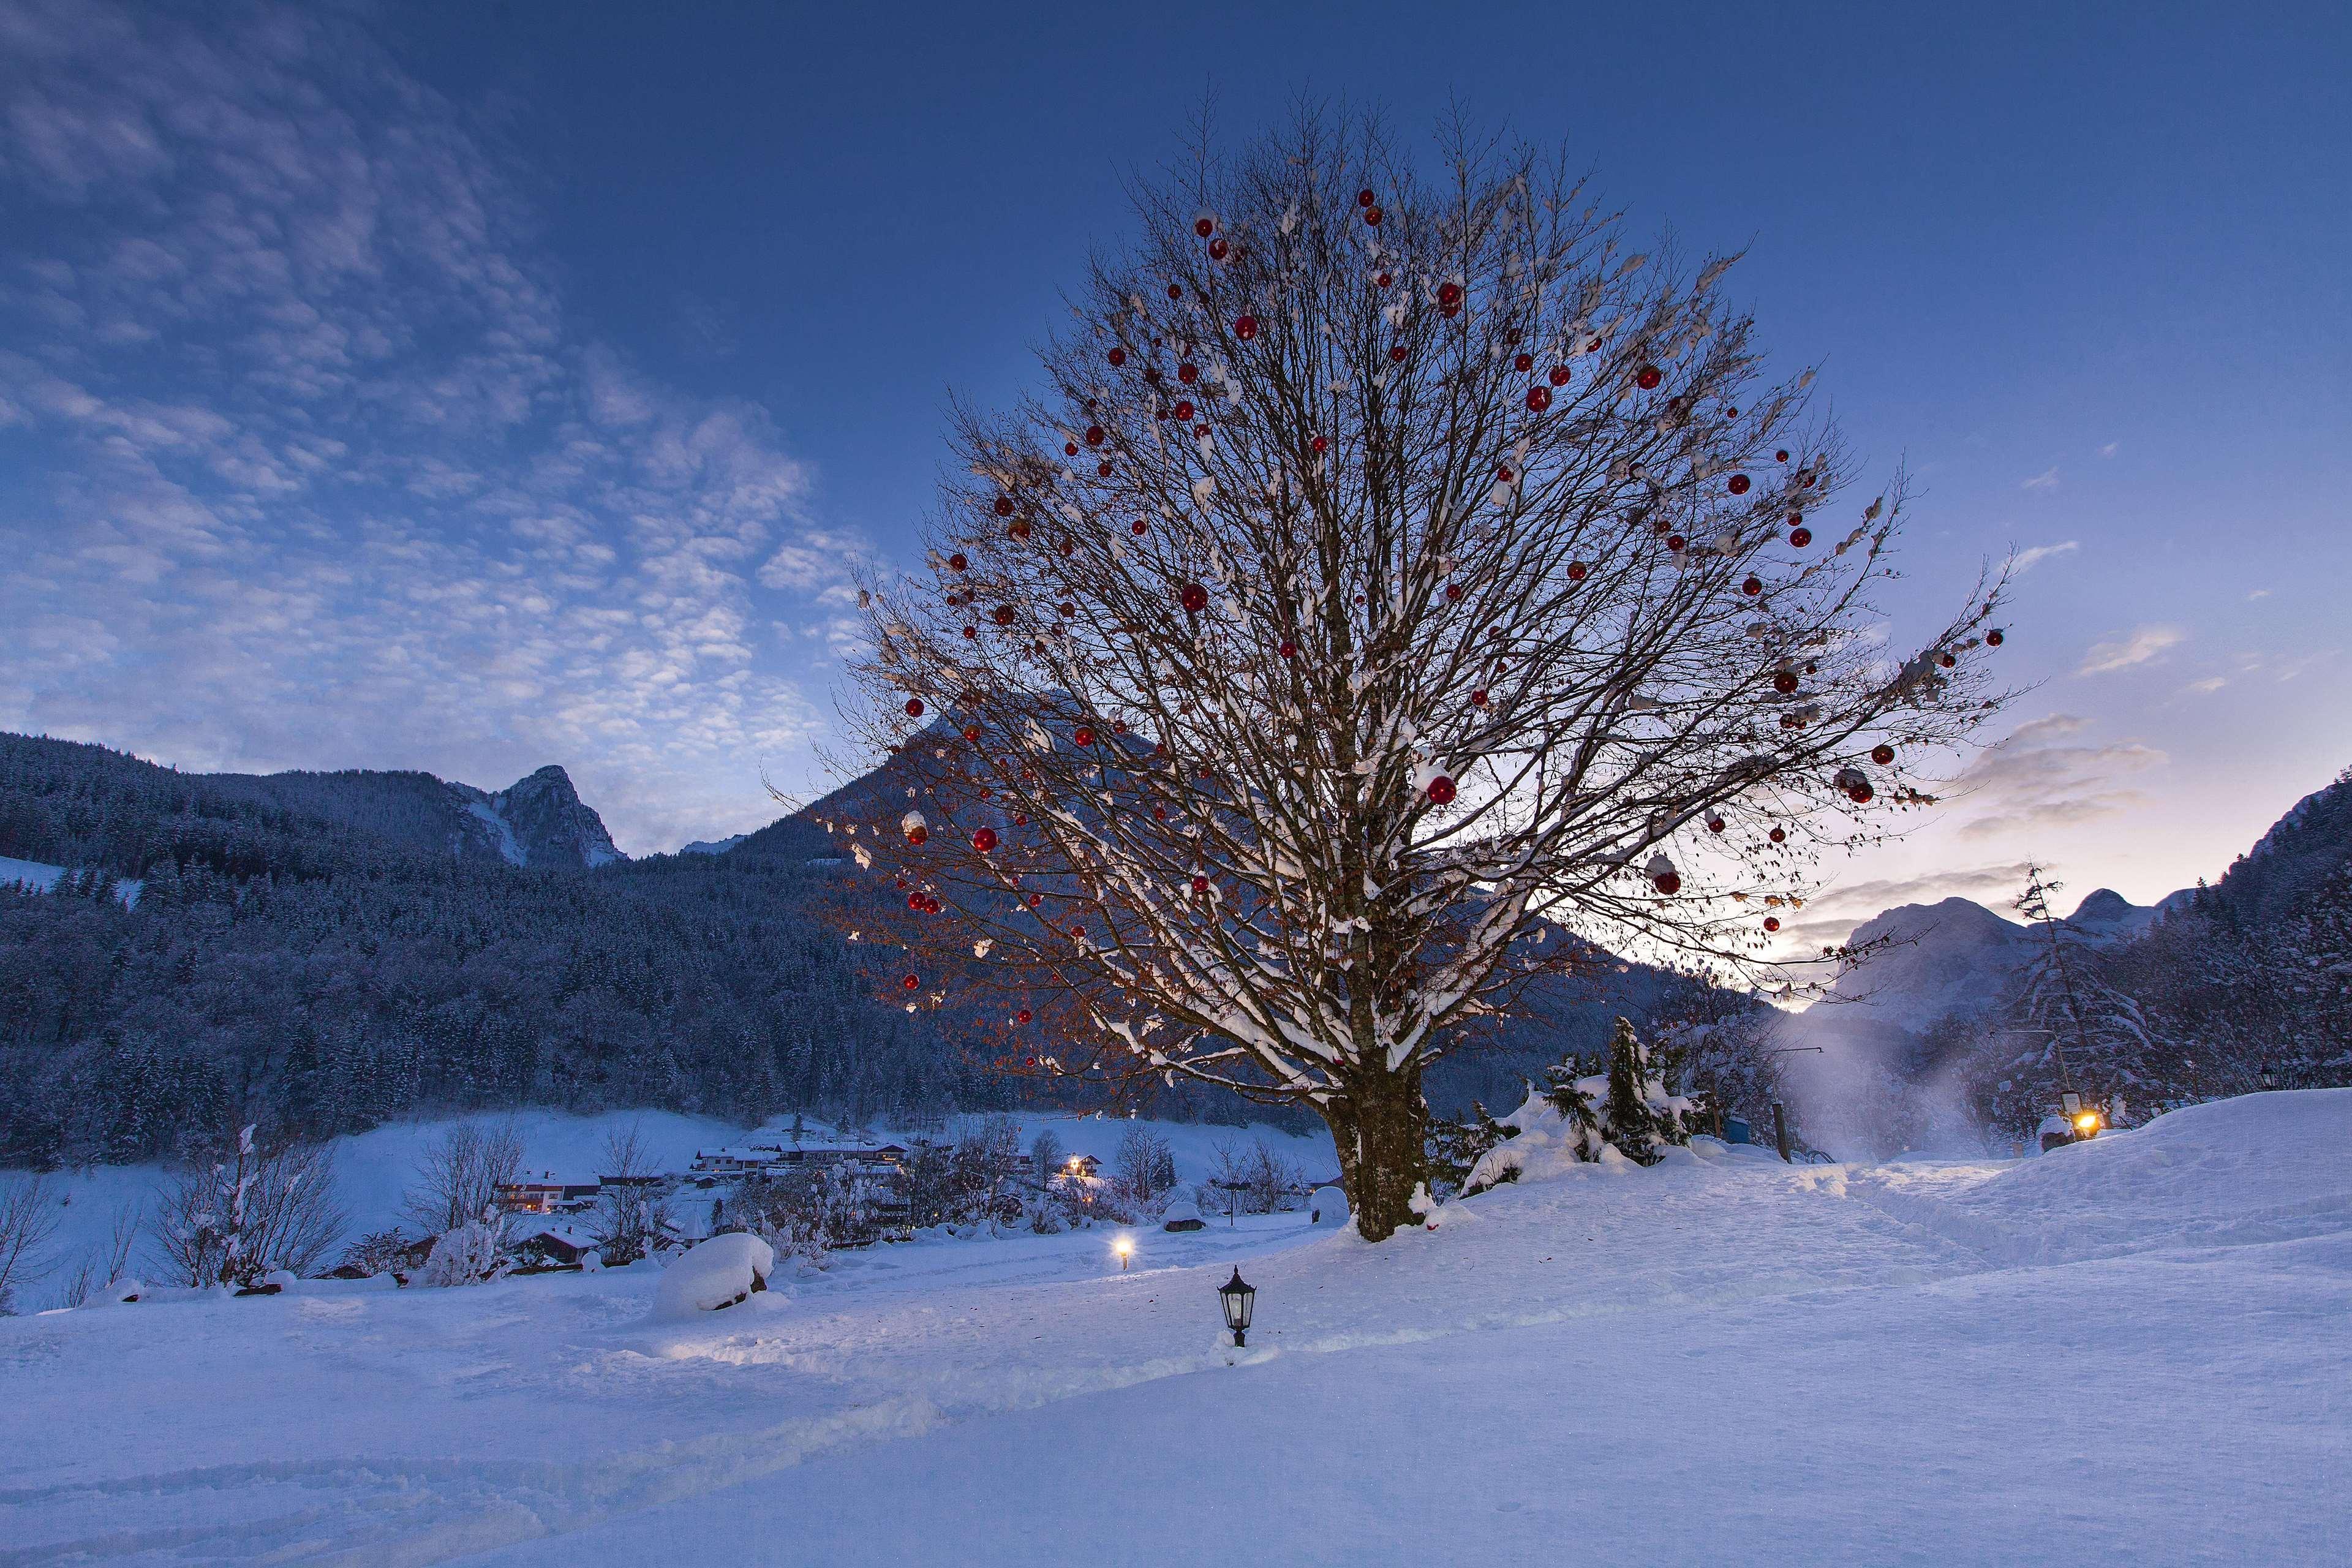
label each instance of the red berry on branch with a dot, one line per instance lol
(1139, 528)
(1453, 592)
(959, 560)
(1477, 700)
(971, 734)
(1287, 650)
(1777, 836)
(1319, 445)
(1947, 660)
(1677, 542)
(1018, 527)
(1102, 471)
(971, 633)
(1035, 899)
(1575, 571)
(1385, 279)
(1184, 408)
(1648, 377)
(1175, 291)
(1994, 638)
(1204, 227)
(1449, 293)
(1782, 456)
(1070, 448)
(1199, 885)
(1714, 825)
(1882, 754)
(1396, 355)
(1023, 1016)
(1667, 882)
(1785, 683)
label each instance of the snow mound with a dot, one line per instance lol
(714, 1274)
(1329, 1205)
(1181, 1215)
(2255, 1169)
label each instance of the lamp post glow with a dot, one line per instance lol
(1125, 1248)
(1239, 1300)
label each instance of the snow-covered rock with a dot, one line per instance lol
(1327, 1206)
(1181, 1215)
(717, 1273)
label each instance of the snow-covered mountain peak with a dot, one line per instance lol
(541, 820)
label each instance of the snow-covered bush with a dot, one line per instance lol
(469, 1255)
(377, 1252)
(811, 1212)
(713, 1274)
(632, 1215)
(259, 1205)
(1623, 1112)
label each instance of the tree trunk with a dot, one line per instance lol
(1377, 1127)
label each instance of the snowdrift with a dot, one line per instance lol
(2261, 1168)
(713, 1274)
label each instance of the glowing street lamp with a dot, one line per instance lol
(1239, 1300)
(1125, 1248)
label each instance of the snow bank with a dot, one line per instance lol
(2232, 1173)
(1329, 1205)
(714, 1274)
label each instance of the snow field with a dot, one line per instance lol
(1718, 1359)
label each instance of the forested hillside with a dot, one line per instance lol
(315, 949)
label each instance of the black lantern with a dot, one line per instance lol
(2270, 1078)
(1239, 1300)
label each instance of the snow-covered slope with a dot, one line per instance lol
(39, 876)
(1718, 1360)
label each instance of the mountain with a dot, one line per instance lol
(712, 846)
(541, 821)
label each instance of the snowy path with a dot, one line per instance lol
(1720, 1359)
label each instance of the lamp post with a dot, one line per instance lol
(1125, 1248)
(1239, 1300)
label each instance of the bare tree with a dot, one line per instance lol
(261, 1207)
(459, 1175)
(107, 1262)
(632, 1211)
(1397, 579)
(28, 1217)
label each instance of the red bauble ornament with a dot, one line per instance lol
(1396, 355)
(1385, 279)
(1785, 683)
(911, 984)
(1714, 825)
(1083, 735)
(984, 840)
(1776, 835)
(1440, 790)
(958, 561)
(914, 707)
(1364, 197)
(1882, 754)
(1118, 356)
(1204, 227)
(1218, 249)
(1018, 527)
(1004, 506)
(1194, 597)
(1183, 409)
(1800, 537)
(1453, 592)
(1557, 375)
(1200, 884)
(1245, 328)
(1771, 922)
(1577, 571)
(1094, 434)
(1175, 291)
(1003, 615)
(1523, 362)
(1668, 881)
(1139, 528)
(1319, 445)
(1023, 1016)
(1449, 294)
(1372, 216)
(1752, 586)
(1188, 372)
(1738, 485)
(1677, 542)
(1287, 649)
(1477, 700)
(1782, 456)
(1648, 377)
(1993, 638)
(1539, 399)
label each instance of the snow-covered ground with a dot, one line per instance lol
(40, 877)
(372, 1170)
(2132, 1351)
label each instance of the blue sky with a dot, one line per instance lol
(469, 388)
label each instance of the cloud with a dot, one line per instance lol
(2047, 479)
(2041, 778)
(2026, 560)
(2144, 644)
(1831, 915)
(2259, 593)
(2211, 684)
(2109, 449)
(306, 423)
